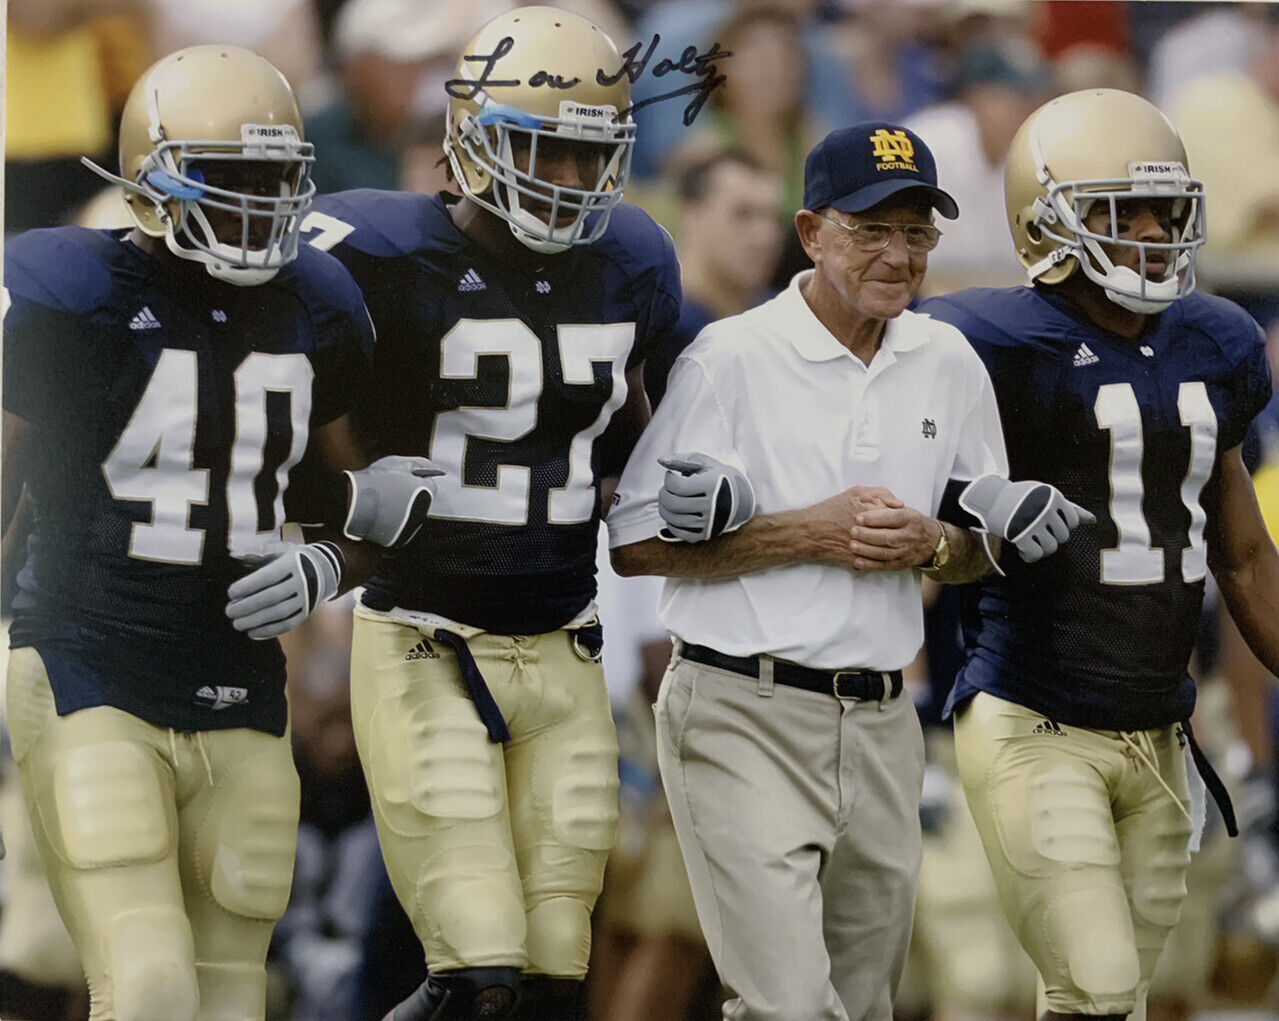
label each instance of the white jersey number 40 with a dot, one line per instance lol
(153, 460)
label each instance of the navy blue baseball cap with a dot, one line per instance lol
(855, 168)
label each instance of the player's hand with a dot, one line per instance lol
(1033, 516)
(390, 499)
(702, 498)
(285, 590)
(893, 539)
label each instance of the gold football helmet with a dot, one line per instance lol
(1101, 145)
(537, 74)
(212, 160)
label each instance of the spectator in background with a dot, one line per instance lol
(1230, 124)
(892, 53)
(285, 32)
(393, 57)
(730, 237)
(999, 82)
(1089, 66)
(1214, 39)
(761, 107)
(825, 79)
(68, 67)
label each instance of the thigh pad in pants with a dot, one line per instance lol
(253, 827)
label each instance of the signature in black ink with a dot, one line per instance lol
(689, 62)
(469, 88)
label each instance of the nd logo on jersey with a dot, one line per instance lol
(894, 150)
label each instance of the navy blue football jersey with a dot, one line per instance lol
(166, 411)
(506, 377)
(1099, 634)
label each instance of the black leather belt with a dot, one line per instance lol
(863, 685)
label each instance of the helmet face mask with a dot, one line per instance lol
(212, 160)
(239, 233)
(1069, 204)
(1096, 152)
(505, 144)
(506, 141)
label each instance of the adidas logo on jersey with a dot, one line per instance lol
(470, 281)
(144, 320)
(1084, 356)
(422, 650)
(223, 697)
(1049, 727)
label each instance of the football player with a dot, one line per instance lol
(1130, 393)
(160, 384)
(512, 325)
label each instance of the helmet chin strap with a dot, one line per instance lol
(523, 224)
(219, 259)
(1124, 286)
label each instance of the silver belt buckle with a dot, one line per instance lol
(835, 686)
(883, 678)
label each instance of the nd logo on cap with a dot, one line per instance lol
(894, 150)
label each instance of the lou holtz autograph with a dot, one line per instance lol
(690, 62)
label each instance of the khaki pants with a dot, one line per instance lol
(496, 851)
(798, 818)
(1088, 849)
(170, 856)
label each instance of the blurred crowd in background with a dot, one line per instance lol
(963, 74)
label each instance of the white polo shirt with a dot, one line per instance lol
(772, 392)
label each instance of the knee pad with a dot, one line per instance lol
(559, 934)
(255, 836)
(474, 906)
(229, 992)
(110, 806)
(152, 962)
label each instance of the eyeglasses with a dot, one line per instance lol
(874, 237)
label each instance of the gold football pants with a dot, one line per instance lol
(1088, 846)
(496, 851)
(170, 856)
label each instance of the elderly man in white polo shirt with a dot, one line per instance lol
(792, 765)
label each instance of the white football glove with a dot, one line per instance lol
(1033, 516)
(390, 499)
(285, 590)
(701, 498)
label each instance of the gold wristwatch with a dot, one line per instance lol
(941, 555)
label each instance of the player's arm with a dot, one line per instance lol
(814, 535)
(1243, 558)
(14, 436)
(389, 497)
(623, 433)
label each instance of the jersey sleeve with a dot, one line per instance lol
(690, 420)
(51, 284)
(344, 345)
(31, 340)
(662, 317)
(1253, 391)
